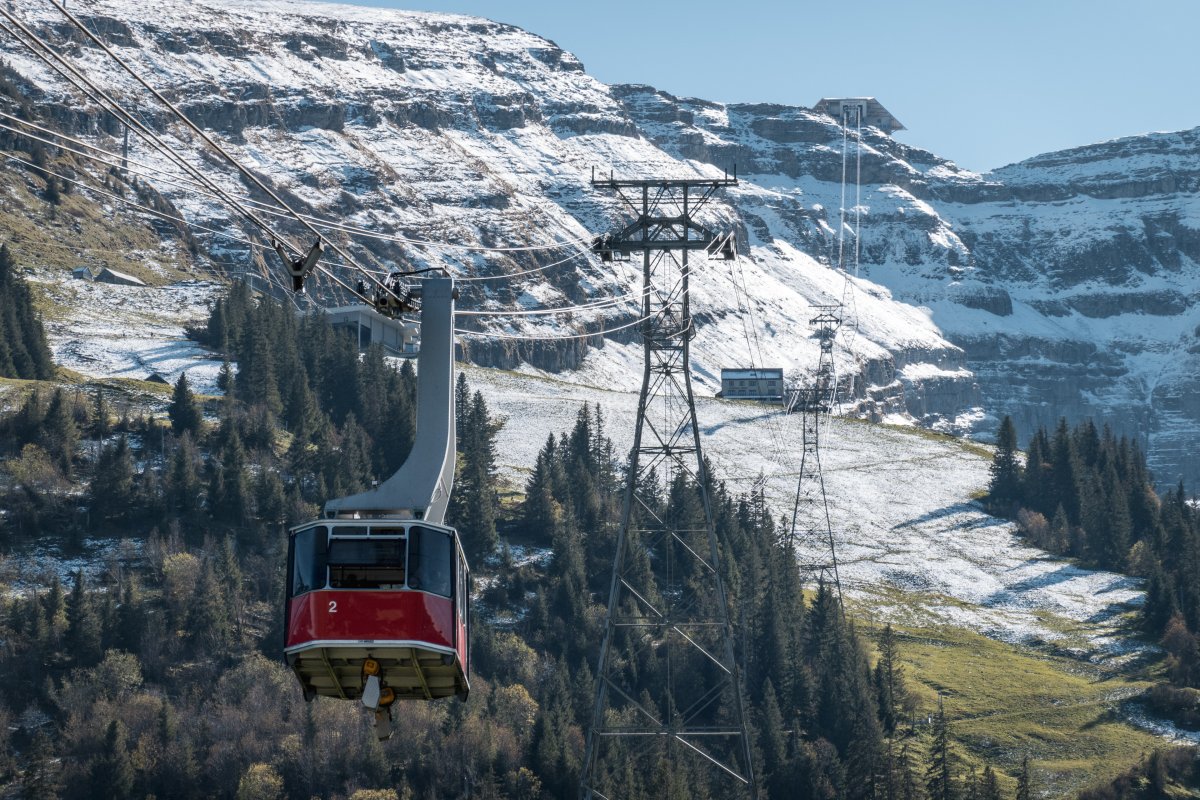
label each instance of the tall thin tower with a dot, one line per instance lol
(668, 692)
(810, 512)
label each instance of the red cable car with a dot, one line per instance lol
(378, 591)
(396, 593)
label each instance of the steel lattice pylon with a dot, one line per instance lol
(668, 689)
(810, 513)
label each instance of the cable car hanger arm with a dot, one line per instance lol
(420, 489)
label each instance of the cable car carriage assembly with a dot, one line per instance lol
(378, 590)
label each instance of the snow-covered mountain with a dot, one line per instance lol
(1062, 285)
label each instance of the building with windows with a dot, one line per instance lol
(398, 337)
(752, 384)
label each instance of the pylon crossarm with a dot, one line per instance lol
(719, 764)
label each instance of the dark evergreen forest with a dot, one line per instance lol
(1086, 493)
(160, 674)
(23, 349)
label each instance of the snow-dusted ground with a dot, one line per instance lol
(106, 331)
(912, 545)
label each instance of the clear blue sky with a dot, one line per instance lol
(981, 82)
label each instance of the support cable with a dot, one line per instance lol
(529, 337)
(605, 303)
(35, 42)
(155, 174)
(249, 175)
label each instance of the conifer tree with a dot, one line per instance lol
(131, 621)
(1035, 485)
(83, 639)
(473, 504)
(228, 493)
(112, 771)
(270, 500)
(939, 773)
(971, 785)
(183, 412)
(23, 349)
(111, 496)
(889, 680)
(209, 624)
(183, 485)
(773, 739)
(26, 426)
(989, 785)
(1065, 473)
(1024, 781)
(60, 435)
(40, 779)
(1005, 486)
(230, 578)
(56, 606)
(101, 424)
(541, 509)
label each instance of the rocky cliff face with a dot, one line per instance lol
(1069, 280)
(1062, 285)
(1098, 249)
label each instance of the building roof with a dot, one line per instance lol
(764, 373)
(874, 114)
(107, 275)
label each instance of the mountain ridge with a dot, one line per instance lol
(976, 294)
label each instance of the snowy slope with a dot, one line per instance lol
(455, 129)
(1070, 279)
(1064, 285)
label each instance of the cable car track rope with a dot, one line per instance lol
(203, 184)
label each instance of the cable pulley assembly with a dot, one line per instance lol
(299, 268)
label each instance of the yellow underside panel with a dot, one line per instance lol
(411, 672)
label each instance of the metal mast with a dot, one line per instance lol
(668, 688)
(810, 513)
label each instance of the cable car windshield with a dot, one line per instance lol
(308, 559)
(366, 563)
(417, 558)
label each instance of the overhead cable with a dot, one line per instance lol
(155, 174)
(116, 107)
(529, 337)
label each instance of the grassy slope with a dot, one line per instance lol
(1005, 701)
(81, 232)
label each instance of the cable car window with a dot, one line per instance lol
(462, 590)
(387, 531)
(431, 554)
(350, 530)
(308, 560)
(366, 563)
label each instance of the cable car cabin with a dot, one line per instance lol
(385, 598)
